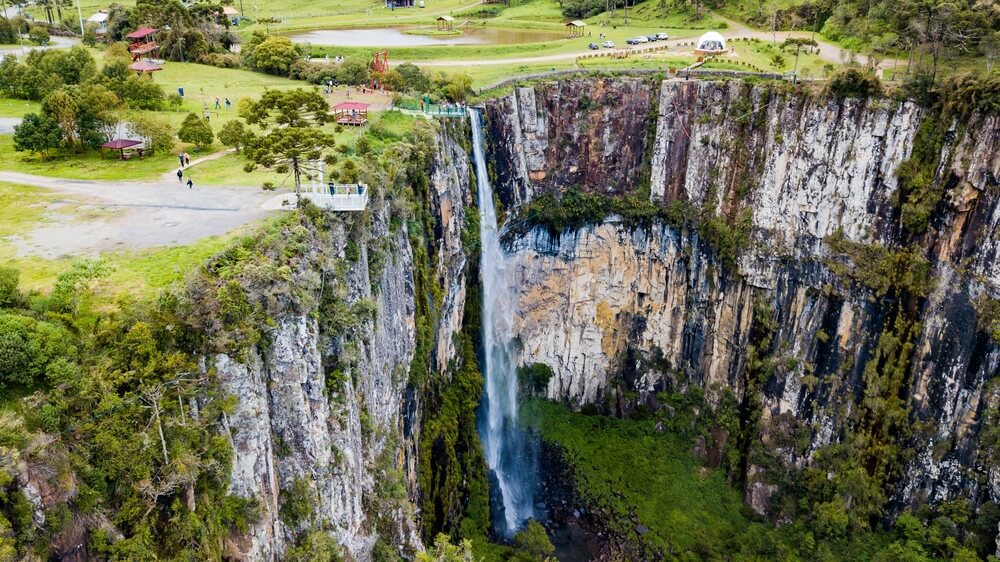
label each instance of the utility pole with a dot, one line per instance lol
(79, 12)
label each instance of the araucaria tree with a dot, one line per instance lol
(291, 137)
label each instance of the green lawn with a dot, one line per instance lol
(84, 166)
(16, 108)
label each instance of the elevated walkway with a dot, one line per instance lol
(339, 197)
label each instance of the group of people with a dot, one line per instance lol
(185, 160)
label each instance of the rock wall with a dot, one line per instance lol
(620, 310)
(589, 134)
(291, 426)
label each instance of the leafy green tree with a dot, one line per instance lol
(275, 55)
(353, 71)
(459, 87)
(140, 92)
(534, 540)
(39, 35)
(8, 35)
(117, 53)
(798, 43)
(232, 134)
(86, 114)
(195, 130)
(38, 134)
(291, 138)
(413, 78)
(27, 347)
(155, 131)
(444, 551)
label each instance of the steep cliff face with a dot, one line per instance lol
(589, 134)
(325, 412)
(622, 312)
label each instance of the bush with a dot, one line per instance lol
(534, 540)
(10, 293)
(220, 60)
(534, 378)
(38, 35)
(853, 83)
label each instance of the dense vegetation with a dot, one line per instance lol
(642, 472)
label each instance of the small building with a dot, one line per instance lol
(354, 113)
(711, 43)
(446, 23)
(232, 14)
(141, 42)
(145, 67)
(392, 4)
(100, 22)
(125, 147)
(575, 28)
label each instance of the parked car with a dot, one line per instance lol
(652, 38)
(608, 44)
(593, 46)
(422, 5)
(662, 36)
(641, 39)
(631, 41)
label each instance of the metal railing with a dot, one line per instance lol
(340, 197)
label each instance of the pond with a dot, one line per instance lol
(416, 37)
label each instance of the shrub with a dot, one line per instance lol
(220, 60)
(10, 293)
(38, 35)
(854, 83)
(534, 378)
(27, 346)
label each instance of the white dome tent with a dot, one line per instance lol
(711, 43)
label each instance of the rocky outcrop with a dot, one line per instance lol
(327, 408)
(624, 311)
(583, 134)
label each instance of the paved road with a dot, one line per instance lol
(135, 215)
(56, 43)
(827, 51)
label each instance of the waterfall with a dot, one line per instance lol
(510, 454)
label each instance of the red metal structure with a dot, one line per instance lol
(379, 67)
(141, 42)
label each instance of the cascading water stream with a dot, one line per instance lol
(510, 453)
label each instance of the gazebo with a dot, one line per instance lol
(141, 42)
(575, 28)
(145, 67)
(351, 113)
(711, 43)
(446, 23)
(121, 145)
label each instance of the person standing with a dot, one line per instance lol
(217, 104)
(180, 175)
(187, 159)
(180, 158)
(229, 104)
(190, 183)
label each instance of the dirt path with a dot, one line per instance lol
(172, 175)
(134, 215)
